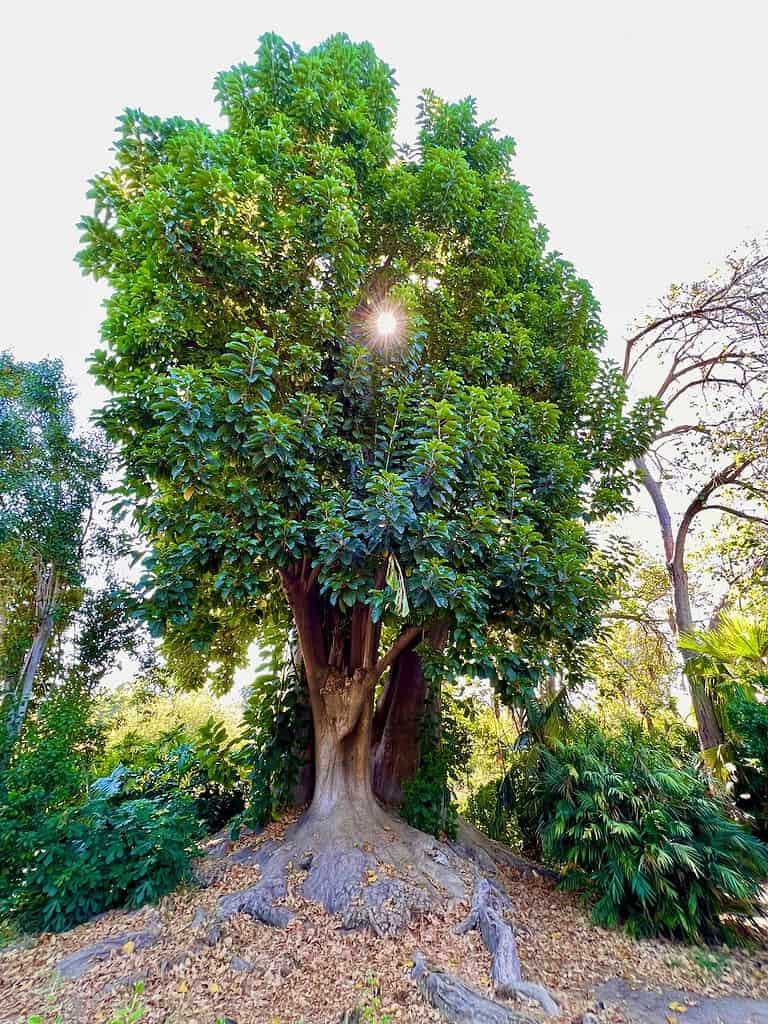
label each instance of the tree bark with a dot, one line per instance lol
(45, 601)
(342, 711)
(397, 724)
(707, 722)
(396, 754)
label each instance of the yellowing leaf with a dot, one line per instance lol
(183, 987)
(671, 1019)
(372, 876)
(188, 493)
(408, 963)
(214, 987)
(678, 1007)
(128, 947)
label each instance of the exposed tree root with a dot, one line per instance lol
(489, 904)
(371, 870)
(472, 844)
(460, 1003)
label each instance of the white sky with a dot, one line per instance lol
(640, 127)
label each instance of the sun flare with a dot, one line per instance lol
(386, 323)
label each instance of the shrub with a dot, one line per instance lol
(103, 855)
(639, 831)
(748, 720)
(276, 736)
(49, 771)
(489, 814)
(204, 768)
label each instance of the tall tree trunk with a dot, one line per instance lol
(396, 751)
(397, 725)
(707, 722)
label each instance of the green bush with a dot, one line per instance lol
(49, 771)
(638, 831)
(748, 721)
(99, 856)
(203, 767)
(277, 732)
(489, 814)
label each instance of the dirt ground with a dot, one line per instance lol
(312, 971)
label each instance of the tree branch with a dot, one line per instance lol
(405, 639)
(737, 512)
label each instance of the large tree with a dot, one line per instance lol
(354, 372)
(705, 353)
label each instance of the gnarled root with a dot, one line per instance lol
(457, 1002)
(372, 872)
(489, 905)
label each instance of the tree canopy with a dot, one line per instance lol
(353, 364)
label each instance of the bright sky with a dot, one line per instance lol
(640, 127)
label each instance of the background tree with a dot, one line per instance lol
(49, 481)
(351, 379)
(707, 348)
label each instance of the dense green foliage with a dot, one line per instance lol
(50, 480)
(103, 855)
(276, 737)
(50, 771)
(749, 723)
(637, 828)
(487, 811)
(444, 471)
(203, 766)
(66, 852)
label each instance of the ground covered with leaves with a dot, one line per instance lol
(313, 971)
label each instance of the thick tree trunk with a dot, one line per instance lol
(342, 713)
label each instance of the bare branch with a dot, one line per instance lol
(737, 512)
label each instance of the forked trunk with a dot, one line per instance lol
(707, 723)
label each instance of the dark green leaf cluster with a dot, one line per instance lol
(277, 736)
(49, 771)
(103, 855)
(748, 722)
(637, 829)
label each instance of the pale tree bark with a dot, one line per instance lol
(708, 724)
(707, 350)
(46, 598)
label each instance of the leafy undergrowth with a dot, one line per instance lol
(311, 972)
